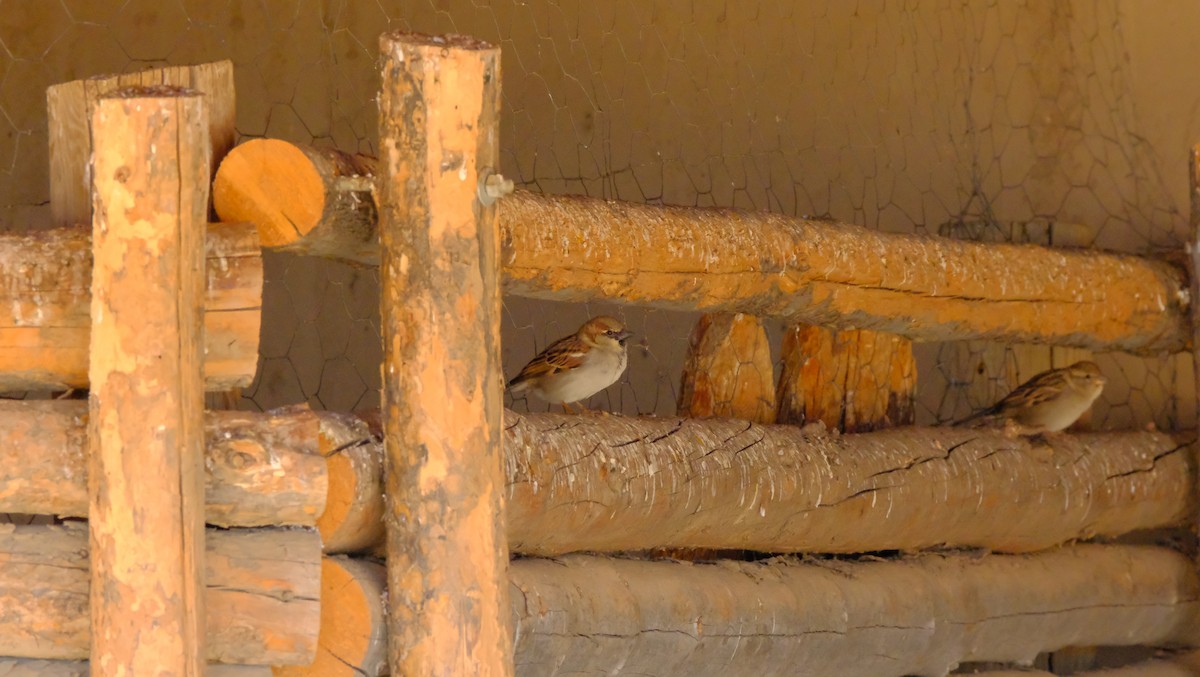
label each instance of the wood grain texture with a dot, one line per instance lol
(440, 296)
(26, 667)
(913, 616)
(728, 370)
(852, 381)
(354, 508)
(45, 301)
(146, 403)
(262, 591)
(313, 201)
(260, 469)
(70, 106)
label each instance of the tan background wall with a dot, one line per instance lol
(949, 118)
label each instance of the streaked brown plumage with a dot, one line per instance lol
(1049, 402)
(578, 366)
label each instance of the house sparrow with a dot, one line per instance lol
(1048, 402)
(576, 367)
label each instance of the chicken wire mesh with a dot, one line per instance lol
(952, 118)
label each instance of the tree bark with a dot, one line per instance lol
(45, 300)
(728, 370)
(918, 616)
(261, 469)
(146, 406)
(70, 106)
(262, 593)
(852, 381)
(440, 296)
(315, 201)
(353, 640)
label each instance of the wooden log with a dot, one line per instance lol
(353, 639)
(440, 296)
(146, 405)
(1185, 664)
(919, 616)
(262, 593)
(853, 381)
(620, 484)
(70, 106)
(354, 507)
(260, 469)
(315, 201)
(728, 370)
(45, 301)
(22, 667)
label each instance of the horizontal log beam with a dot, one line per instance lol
(685, 258)
(27, 667)
(620, 484)
(262, 469)
(262, 590)
(45, 308)
(916, 616)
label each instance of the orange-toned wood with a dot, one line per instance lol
(353, 640)
(70, 106)
(261, 469)
(146, 415)
(314, 201)
(353, 517)
(838, 275)
(853, 381)
(438, 128)
(728, 370)
(262, 592)
(910, 616)
(45, 301)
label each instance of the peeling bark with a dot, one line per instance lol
(440, 296)
(918, 616)
(618, 484)
(45, 302)
(146, 405)
(262, 590)
(260, 469)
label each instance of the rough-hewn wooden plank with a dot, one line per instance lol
(146, 414)
(260, 469)
(70, 106)
(262, 588)
(919, 616)
(440, 296)
(45, 300)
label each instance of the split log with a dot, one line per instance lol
(22, 667)
(622, 484)
(919, 616)
(70, 106)
(45, 300)
(315, 201)
(353, 641)
(440, 297)
(146, 404)
(728, 370)
(262, 591)
(261, 469)
(852, 381)
(354, 506)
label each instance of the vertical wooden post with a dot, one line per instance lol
(446, 547)
(853, 381)
(728, 370)
(146, 476)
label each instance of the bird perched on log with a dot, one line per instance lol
(578, 366)
(1049, 402)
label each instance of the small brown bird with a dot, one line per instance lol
(1048, 402)
(576, 367)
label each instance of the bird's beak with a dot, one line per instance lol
(622, 335)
